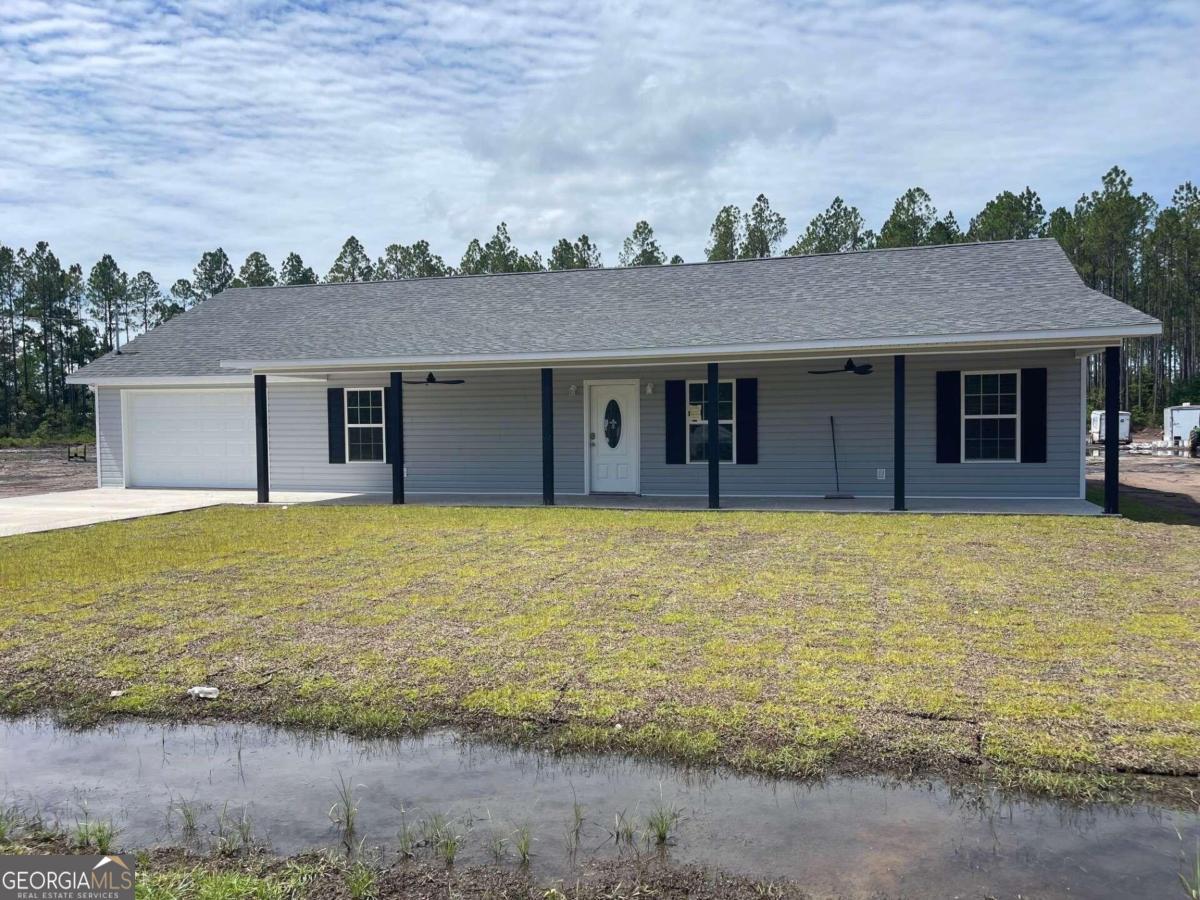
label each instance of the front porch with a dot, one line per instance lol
(1000, 506)
(791, 434)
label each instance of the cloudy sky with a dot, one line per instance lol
(155, 131)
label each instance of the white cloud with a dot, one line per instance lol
(155, 133)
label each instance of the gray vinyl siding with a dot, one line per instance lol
(481, 437)
(298, 442)
(109, 458)
(795, 443)
(1057, 477)
(485, 436)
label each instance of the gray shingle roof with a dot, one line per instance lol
(962, 289)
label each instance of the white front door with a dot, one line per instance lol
(613, 434)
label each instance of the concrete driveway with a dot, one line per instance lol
(67, 509)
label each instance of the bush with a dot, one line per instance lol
(51, 434)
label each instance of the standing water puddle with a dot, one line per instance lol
(845, 836)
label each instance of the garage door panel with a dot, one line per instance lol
(202, 439)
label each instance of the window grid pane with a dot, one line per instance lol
(698, 442)
(698, 421)
(697, 394)
(364, 407)
(365, 444)
(990, 439)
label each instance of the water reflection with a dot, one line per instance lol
(849, 836)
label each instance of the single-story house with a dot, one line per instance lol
(904, 376)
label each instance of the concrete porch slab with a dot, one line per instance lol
(1052, 507)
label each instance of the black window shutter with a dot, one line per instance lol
(746, 422)
(337, 425)
(389, 427)
(676, 438)
(1033, 415)
(949, 413)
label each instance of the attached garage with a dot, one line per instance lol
(189, 438)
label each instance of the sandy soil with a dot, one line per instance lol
(1167, 482)
(43, 469)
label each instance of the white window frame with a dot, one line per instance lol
(731, 422)
(347, 426)
(962, 416)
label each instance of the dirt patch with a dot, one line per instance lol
(1169, 484)
(41, 470)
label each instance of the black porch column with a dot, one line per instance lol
(898, 439)
(260, 438)
(1112, 429)
(395, 415)
(714, 438)
(548, 437)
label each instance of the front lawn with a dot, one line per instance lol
(1053, 653)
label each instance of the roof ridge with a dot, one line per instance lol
(703, 262)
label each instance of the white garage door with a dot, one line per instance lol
(195, 439)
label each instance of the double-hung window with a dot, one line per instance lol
(364, 425)
(991, 416)
(697, 413)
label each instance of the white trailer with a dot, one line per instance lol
(1097, 428)
(1178, 422)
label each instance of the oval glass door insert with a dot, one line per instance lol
(612, 423)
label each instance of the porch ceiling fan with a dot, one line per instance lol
(433, 379)
(863, 369)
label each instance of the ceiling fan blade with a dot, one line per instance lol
(825, 371)
(864, 369)
(453, 381)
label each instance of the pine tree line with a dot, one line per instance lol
(55, 319)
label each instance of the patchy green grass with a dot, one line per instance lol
(1054, 653)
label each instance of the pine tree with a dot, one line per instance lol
(10, 280)
(352, 264)
(183, 296)
(212, 275)
(497, 256)
(1009, 217)
(106, 287)
(294, 271)
(256, 271)
(641, 249)
(764, 229)
(145, 297)
(400, 261)
(726, 235)
(580, 254)
(839, 229)
(914, 222)
(45, 299)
